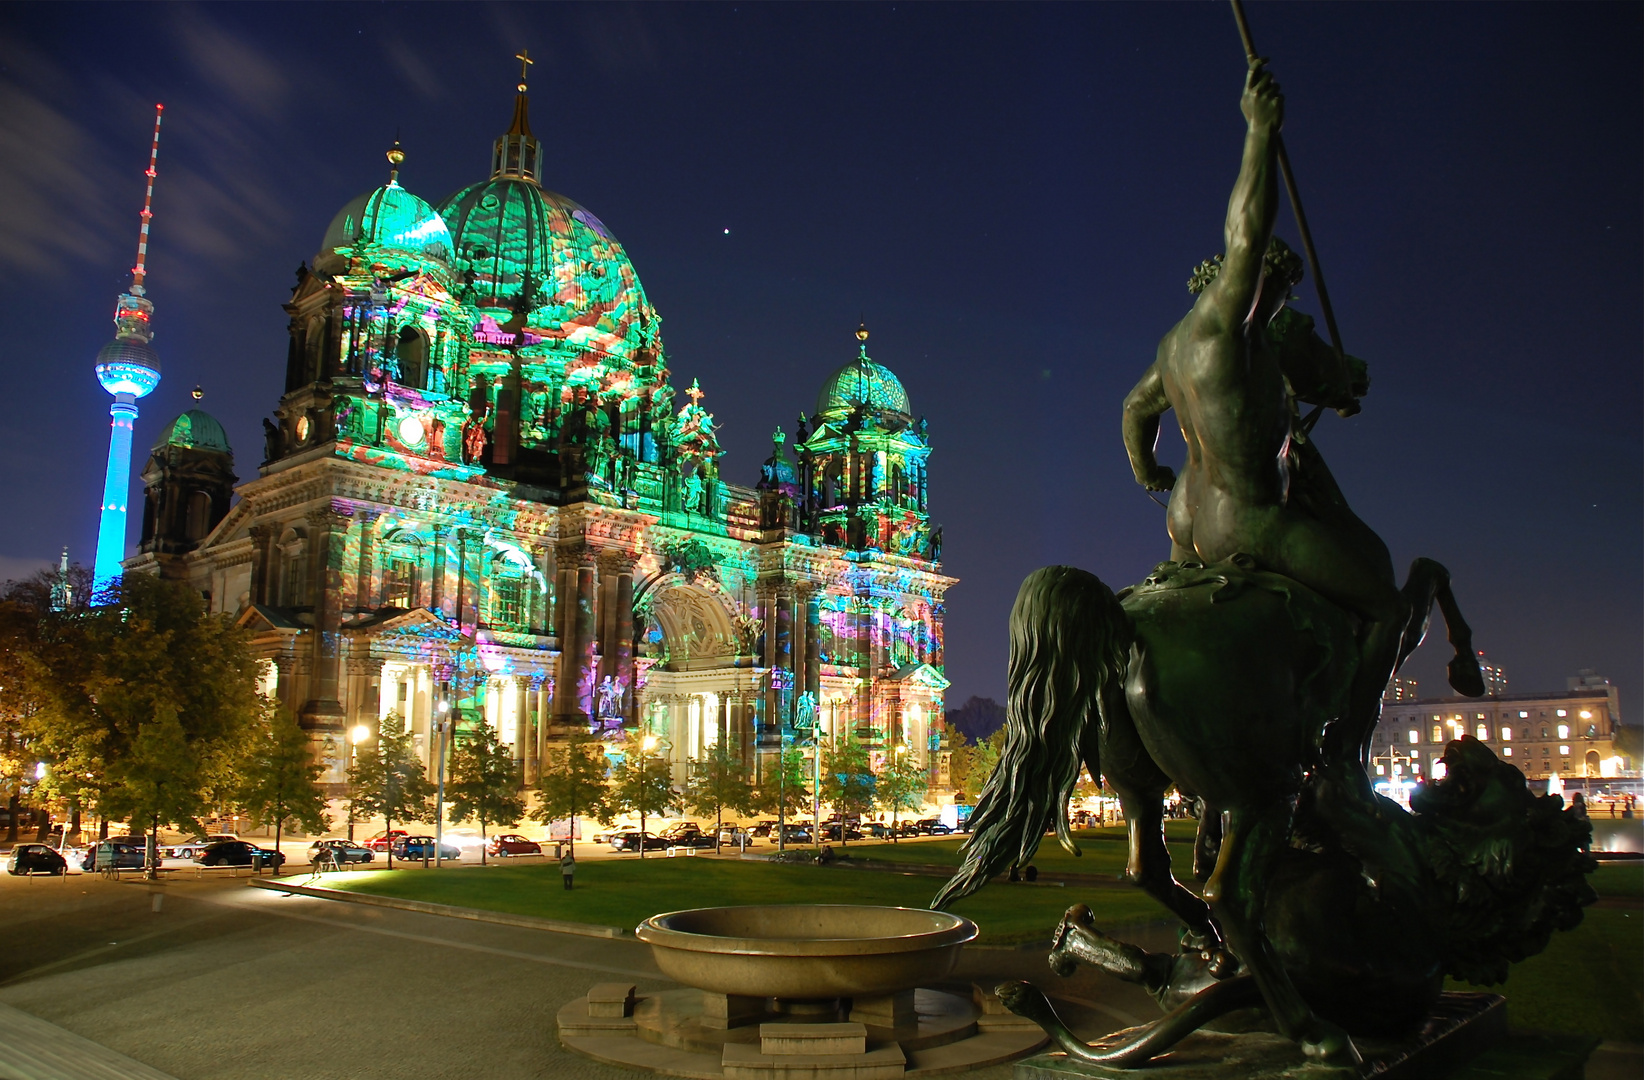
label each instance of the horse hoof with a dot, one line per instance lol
(1329, 1044)
(1465, 677)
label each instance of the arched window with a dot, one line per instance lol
(199, 516)
(412, 353)
(508, 600)
(402, 559)
(314, 348)
(293, 569)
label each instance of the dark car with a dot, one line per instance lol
(513, 844)
(124, 854)
(190, 848)
(36, 859)
(831, 830)
(792, 834)
(932, 827)
(763, 828)
(344, 851)
(239, 853)
(687, 834)
(422, 847)
(630, 841)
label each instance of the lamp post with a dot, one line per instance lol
(359, 735)
(443, 727)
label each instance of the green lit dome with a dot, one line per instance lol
(863, 382)
(390, 217)
(196, 429)
(513, 238)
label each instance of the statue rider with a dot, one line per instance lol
(1251, 482)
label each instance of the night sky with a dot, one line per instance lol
(1012, 196)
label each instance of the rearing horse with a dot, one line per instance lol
(1221, 680)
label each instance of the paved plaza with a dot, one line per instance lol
(206, 979)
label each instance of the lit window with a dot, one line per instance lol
(1564, 750)
(1381, 770)
(1522, 715)
(1483, 733)
(1478, 716)
(1586, 714)
(1438, 733)
(399, 582)
(1415, 766)
(1564, 731)
(1506, 751)
(506, 606)
(1561, 712)
(1506, 734)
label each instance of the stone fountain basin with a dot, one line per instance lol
(806, 951)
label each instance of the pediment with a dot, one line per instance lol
(920, 675)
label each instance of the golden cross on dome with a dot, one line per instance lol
(694, 393)
(525, 61)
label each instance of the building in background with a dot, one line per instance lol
(479, 493)
(1570, 734)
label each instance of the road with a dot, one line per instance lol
(209, 979)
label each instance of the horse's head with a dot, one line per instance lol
(1510, 863)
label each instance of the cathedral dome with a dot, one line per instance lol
(195, 429)
(863, 382)
(516, 241)
(390, 217)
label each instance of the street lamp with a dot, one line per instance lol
(443, 727)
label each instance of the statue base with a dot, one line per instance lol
(1460, 1028)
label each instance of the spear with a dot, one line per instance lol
(1301, 219)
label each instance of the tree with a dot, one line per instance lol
(484, 785)
(143, 703)
(785, 787)
(847, 780)
(970, 766)
(719, 782)
(902, 784)
(387, 781)
(644, 785)
(976, 719)
(280, 779)
(573, 784)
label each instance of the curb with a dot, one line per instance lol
(503, 918)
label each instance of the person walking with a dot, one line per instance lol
(567, 867)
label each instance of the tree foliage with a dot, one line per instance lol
(386, 779)
(643, 784)
(848, 783)
(143, 704)
(785, 786)
(280, 778)
(719, 782)
(484, 784)
(573, 783)
(971, 765)
(902, 784)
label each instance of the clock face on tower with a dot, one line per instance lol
(302, 429)
(411, 431)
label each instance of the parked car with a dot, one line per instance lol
(932, 827)
(124, 854)
(731, 834)
(876, 829)
(513, 844)
(385, 840)
(687, 834)
(630, 840)
(190, 848)
(239, 853)
(422, 847)
(832, 829)
(344, 851)
(792, 834)
(35, 859)
(763, 828)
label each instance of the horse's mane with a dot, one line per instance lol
(1068, 635)
(1511, 863)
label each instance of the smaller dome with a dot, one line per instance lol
(391, 217)
(863, 382)
(196, 429)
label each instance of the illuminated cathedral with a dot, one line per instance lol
(481, 499)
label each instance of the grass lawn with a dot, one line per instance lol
(622, 893)
(1102, 851)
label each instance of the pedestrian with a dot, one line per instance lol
(567, 867)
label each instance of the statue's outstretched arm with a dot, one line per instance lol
(1145, 403)
(1321, 376)
(1250, 212)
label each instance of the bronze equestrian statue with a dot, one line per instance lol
(1247, 672)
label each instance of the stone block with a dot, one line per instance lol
(813, 1039)
(725, 1011)
(894, 1010)
(744, 1061)
(611, 1000)
(988, 1001)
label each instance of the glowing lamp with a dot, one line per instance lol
(360, 734)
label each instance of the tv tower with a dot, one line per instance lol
(129, 369)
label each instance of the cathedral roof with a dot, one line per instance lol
(195, 429)
(391, 217)
(864, 383)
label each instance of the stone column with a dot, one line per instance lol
(813, 646)
(575, 684)
(365, 598)
(467, 606)
(617, 642)
(782, 668)
(262, 563)
(437, 596)
(327, 539)
(865, 671)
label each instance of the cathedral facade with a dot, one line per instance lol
(481, 500)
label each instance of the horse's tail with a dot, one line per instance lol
(1068, 637)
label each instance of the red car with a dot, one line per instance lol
(384, 840)
(513, 844)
